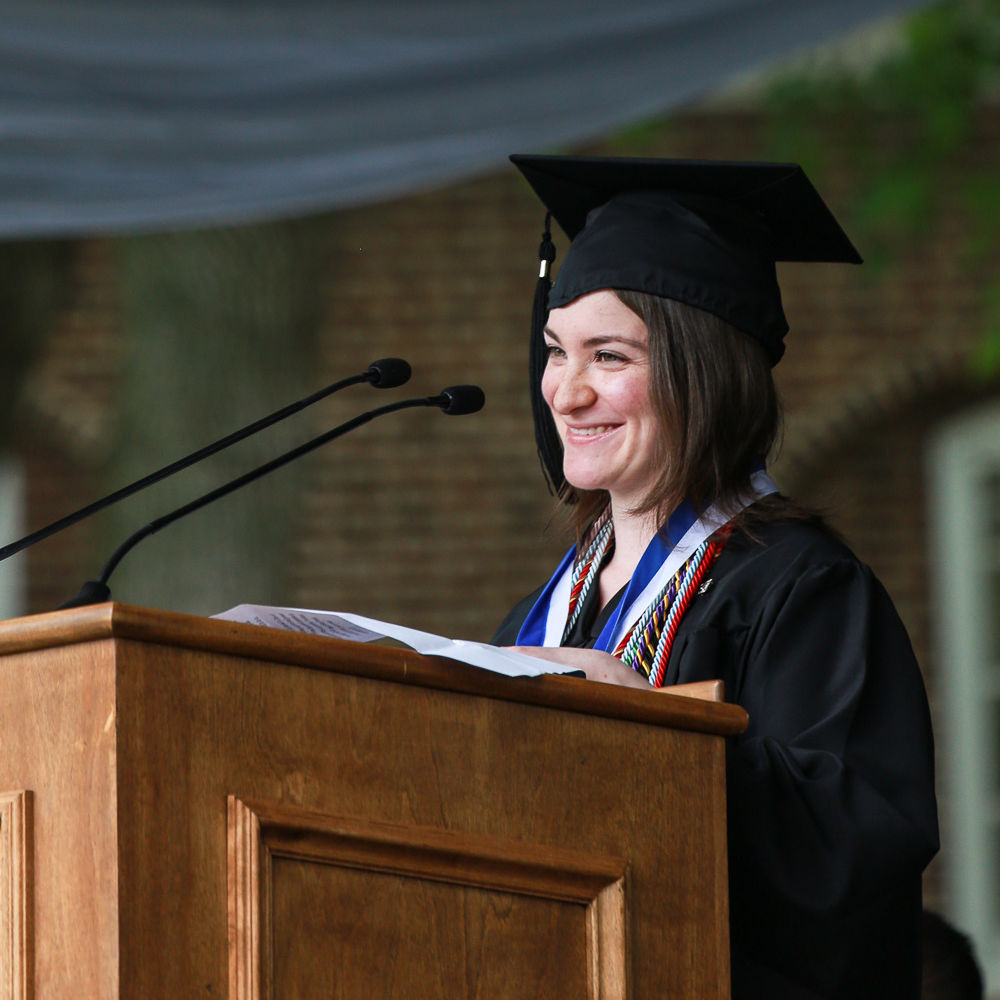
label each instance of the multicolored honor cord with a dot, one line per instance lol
(646, 647)
(669, 573)
(587, 569)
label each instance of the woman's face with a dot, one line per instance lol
(596, 383)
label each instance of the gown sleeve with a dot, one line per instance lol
(831, 808)
(831, 804)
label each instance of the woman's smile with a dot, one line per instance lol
(589, 431)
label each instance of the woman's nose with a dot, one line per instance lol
(573, 390)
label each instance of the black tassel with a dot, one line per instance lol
(546, 437)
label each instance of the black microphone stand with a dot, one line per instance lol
(456, 400)
(386, 373)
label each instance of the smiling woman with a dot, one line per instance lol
(655, 411)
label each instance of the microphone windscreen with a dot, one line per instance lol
(460, 399)
(387, 373)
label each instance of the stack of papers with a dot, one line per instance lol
(342, 625)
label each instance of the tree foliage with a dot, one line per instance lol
(926, 94)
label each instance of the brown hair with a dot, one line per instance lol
(718, 410)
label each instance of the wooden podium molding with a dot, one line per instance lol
(208, 809)
(15, 896)
(259, 834)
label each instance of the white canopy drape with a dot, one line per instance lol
(121, 116)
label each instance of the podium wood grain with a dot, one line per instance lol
(224, 810)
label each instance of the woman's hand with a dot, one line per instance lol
(597, 665)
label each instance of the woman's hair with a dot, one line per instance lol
(717, 407)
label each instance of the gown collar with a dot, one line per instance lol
(666, 552)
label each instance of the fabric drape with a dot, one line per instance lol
(117, 116)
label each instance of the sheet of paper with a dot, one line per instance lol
(357, 628)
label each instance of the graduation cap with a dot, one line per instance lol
(703, 232)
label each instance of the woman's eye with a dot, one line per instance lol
(552, 351)
(609, 356)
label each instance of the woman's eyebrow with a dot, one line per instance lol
(614, 338)
(600, 339)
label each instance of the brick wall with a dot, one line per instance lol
(442, 523)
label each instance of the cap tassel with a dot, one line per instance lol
(546, 437)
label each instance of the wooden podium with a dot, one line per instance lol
(193, 808)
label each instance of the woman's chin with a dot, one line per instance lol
(583, 483)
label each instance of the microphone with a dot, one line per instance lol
(456, 401)
(387, 373)
(460, 399)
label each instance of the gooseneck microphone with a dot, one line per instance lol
(455, 401)
(386, 373)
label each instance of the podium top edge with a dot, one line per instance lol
(114, 622)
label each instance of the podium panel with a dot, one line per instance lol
(355, 909)
(218, 809)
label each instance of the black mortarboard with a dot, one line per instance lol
(703, 232)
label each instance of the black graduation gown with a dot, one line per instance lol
(831, 807)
